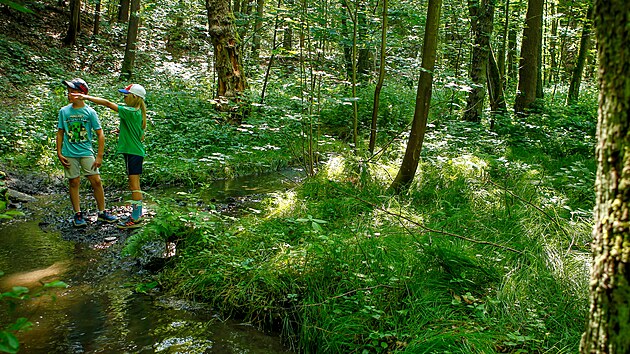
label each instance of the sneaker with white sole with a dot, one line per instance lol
(78, 220)
(107, 217)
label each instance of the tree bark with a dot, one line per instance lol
(231, 82)
(74, 25)
(97, 18)
(410, 161)
(123, 11)
(260, 12)
(608, 324)
(495, 88)
(504, 40)
(132, 39)
(530, 52)
(379, 84)
(585, 41)
(482, 16)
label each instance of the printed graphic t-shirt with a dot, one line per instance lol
(131, 132)
(78, 125)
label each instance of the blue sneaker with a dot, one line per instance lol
(78, 220)
(107, 217)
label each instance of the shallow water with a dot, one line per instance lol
(102, 310)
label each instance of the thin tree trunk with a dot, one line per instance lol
(97, 18)
(132, 39)
(504, 40)
(495, 89)
(410, 161)
(585, 41)
(381, 77)
(260, 11)
(512, 55)
(271, 58)
(608, 324)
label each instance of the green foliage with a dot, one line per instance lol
(8, 342)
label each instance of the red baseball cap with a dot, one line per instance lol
(77, 84)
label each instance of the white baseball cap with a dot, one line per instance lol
(135, 89)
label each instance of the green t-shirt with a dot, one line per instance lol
(77, 124)
(131, 132)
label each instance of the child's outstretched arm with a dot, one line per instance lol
(97, 100)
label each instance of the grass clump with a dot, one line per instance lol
(459, 265)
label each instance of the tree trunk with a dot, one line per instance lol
(381, 77)
(512, 55)
(123, 11)
(423, 100)
(553, 46)
(529, 63)
(132, 39)
(227, 52)
(585, 41)
(482, 15)
(608, 324)
(504, 40)
(260, 11)
(495, 88)
(74, 26)
(97, 18)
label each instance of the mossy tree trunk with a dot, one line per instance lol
(231, 82)
(608, 325)
(482, 16)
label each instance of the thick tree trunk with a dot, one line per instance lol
(608, 325)
(410, 161)
(530, 52)
(74, 26)
(132, 39)
(123, 11)
(482, 16)
(585, 41)
(231, 82)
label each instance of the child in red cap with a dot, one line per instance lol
(75, 125)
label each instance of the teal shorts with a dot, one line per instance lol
(80, 166)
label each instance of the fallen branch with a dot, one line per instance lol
(428, 229)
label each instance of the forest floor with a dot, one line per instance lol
(30, 43)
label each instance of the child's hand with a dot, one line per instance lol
(64, 161)
(77, 95)
(97, 163)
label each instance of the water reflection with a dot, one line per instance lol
(100, 312)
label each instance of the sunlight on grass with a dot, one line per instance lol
(469, 166)
(282, 204)
(335, 168)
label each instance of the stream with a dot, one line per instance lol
(103, 310)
